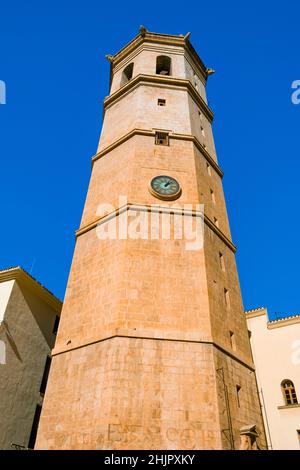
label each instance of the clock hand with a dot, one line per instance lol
(167, 184)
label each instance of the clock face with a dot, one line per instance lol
(165, 187)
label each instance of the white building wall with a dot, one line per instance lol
(276, 354)
(5, 291)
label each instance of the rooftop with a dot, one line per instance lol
(170, 39)
(19, 274)
(277, 322)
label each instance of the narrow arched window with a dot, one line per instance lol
(289, 392)
(163, 65)
(127, 73)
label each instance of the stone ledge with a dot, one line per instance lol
(160, 80)
(151, 133)
(147, 207)
(286, 407)
(166, 39)
(62, 350)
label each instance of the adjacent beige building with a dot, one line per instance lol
(29, 316)
(276, 353)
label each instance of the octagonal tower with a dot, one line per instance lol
(152, 350)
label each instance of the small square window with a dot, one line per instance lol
(161, 102)
(202, 131)
(208, 169)
(161, 138)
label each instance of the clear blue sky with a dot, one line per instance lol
(52, 60)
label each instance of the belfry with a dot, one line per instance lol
(152, 350)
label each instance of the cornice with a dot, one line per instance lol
(148, 37)
(166, 39)
(160, 80)
(101, 219)
(135, 207)
(256, 312)
(200, 147)
(25, 279)
(272, 324)
(120, 141)
(220, 234)
(281, 322)
(57, 351)
(150, 133)
(160, 208)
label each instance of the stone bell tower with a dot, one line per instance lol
(152, 350)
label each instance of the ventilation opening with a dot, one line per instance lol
(195, 80)
(227, 299)
(232, 340)
(161, 138)
(161, 102)
(212, 194)
(238, 395)
(163, 65)
(222, 262)
(127, 74)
